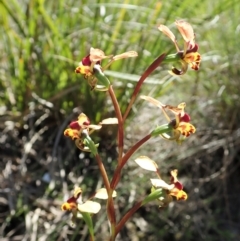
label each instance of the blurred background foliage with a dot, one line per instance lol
(42, 43)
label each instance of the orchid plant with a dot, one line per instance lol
(177, 129)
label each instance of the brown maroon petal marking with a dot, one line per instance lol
(86, 61)
(75, 125)
(72, 200)
(193, 49)
(185, 118)
(178, 185)
(177, 72)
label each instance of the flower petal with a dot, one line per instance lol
(162, 184)
(167, 32)
(152, 100)
(84, 70)
(174, 174)
(97, 55)
(186, 129)
(68, 206)
(89, 207)
(185, 117)
(109, 121)
(183, 70)
(146, 163)
(75, 125)
(102, 193)
(74, 134)
(95, 127)
(128, 54)
(156, 103)
(186, 31)
(175, 181)
(179, 110)
(86, 61)
(83, 120)
(193, 59)
(77, 192)
(179, 194)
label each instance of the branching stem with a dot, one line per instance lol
(148, 71)
(120, 123)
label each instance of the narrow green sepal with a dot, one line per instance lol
(161, 129)
(171, 58)
(103, 81)
(88, 220)
(89, 143)
(154, 195)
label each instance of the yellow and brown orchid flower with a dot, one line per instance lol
(86, 65)
(75, 205)
(79, 129)
(91, 64)
(174, 189)
(72, 202)
(181, 125)
(76, 128)
(189, 54)
(177, 191)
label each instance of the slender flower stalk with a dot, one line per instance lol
(120, 123)
(103, 173)
(147, 72)
(117, 172)
(127, 216)
(110, 204)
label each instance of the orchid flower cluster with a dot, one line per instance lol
(177, 128)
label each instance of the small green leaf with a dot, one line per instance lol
(154, 195)
(88, 220)
(161, 129)
(103, 80)
(170, 58)
(89, 143)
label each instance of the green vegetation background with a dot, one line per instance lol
(41, 43)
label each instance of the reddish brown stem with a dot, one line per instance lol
(103, 173)
(120, 123)
(91, 238)
(148, 71)
(117, 173)
(110, 204)
(134, 148)
(127, 216)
